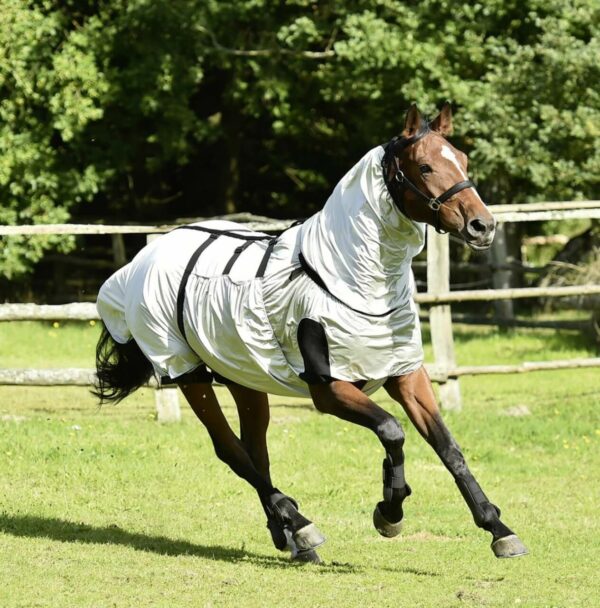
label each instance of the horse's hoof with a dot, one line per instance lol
(307, 557)
(509, 546)
(383, 526)
(308, 537)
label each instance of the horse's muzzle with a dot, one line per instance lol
(479, 232)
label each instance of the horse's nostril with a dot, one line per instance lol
(477, 227)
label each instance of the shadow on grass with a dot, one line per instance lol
(31, 526)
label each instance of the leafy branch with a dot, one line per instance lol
(328, 53)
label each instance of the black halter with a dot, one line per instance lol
(400, 182)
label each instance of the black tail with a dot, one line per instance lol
(121, 369)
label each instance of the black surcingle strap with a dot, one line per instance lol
(314, 276)
(236, 254)
(265, 260)
(213, 235)
(184, 279)
(231, 233)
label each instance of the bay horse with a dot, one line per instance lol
(325, 310)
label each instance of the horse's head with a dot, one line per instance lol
(427, 177)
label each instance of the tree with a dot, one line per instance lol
(146, 110)
(51, 89)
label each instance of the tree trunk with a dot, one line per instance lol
(232, 133)
(232, 180)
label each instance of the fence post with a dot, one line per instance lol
(440, 319)
(166, 400)
(501, 278)
(118, 248)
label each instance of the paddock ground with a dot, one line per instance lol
(105, 507)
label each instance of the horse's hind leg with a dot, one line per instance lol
(228, 447)
(415, 393)
(232, 451)
(254, 415)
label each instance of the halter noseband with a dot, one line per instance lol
(434, 203)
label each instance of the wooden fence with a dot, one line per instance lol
(444, 370)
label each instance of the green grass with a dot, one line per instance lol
(105, 507)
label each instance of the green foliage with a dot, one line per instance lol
(547, 100)
(146, 110)
(51, 90)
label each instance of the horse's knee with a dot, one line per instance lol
(390, 433)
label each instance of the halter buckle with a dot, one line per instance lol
(434, 204)
(399, 177)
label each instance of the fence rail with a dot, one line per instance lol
(76, 311)
(253, 222)
(490, 295)
(529, 212)
(78, 376)
(443, 371)
(84, 311)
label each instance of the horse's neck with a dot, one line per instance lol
(361, 244)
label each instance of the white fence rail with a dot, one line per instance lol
(444, 369)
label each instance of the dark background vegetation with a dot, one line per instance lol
(147, 111)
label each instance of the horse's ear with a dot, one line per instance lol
(413, 121)
(443, 121)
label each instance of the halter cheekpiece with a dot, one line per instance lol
(434, 203)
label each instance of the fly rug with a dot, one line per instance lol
(324, 311)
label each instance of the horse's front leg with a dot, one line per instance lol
(344, 400)
(415, 392)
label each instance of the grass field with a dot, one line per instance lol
(107, 508)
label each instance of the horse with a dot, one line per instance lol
(324, 310)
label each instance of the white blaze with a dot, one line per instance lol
(449, 154)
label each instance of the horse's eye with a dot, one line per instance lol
(425, 169)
